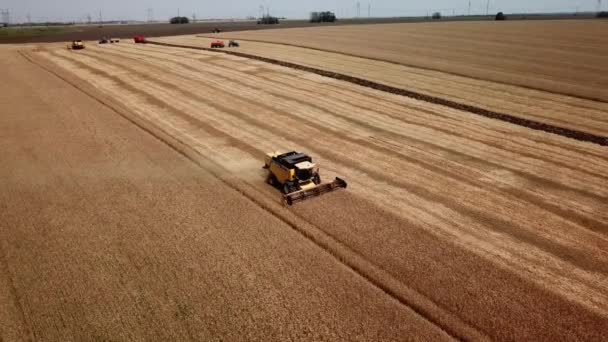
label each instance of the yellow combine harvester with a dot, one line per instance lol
(297, 176)
(76, 45)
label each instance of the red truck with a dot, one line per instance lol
(217, 44)
(139, 39)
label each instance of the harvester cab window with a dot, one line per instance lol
(304, 171)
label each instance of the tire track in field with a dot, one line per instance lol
(508, 227)
(536, 125)
(585, 221)
(446, 222)
(410, 298)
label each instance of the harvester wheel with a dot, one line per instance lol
(316, 179)
(288, 188)
(271, 180)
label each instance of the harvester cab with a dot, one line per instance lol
(297, 176)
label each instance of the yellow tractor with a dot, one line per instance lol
(297, 176)
(76, 45)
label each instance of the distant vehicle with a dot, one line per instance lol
(179, 20)
(268, 20)
(76, 45)
(216, 30)
(233, 43)
(500, 16)
(139, 39)
(436, 15)
(106, 40)
(217, 44)
(322, 17)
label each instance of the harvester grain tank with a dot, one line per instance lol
(297, 176)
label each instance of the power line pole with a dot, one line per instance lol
(488, 7)
(469, 7)
(150, 14)
(358, 9)
(599, 6)
(6, 16)
(369, 10)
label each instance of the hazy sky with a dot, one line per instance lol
(78, 10)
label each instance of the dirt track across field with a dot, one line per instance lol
(447, 229)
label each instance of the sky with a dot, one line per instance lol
(79, 10)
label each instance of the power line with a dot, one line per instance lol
(6, 16)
